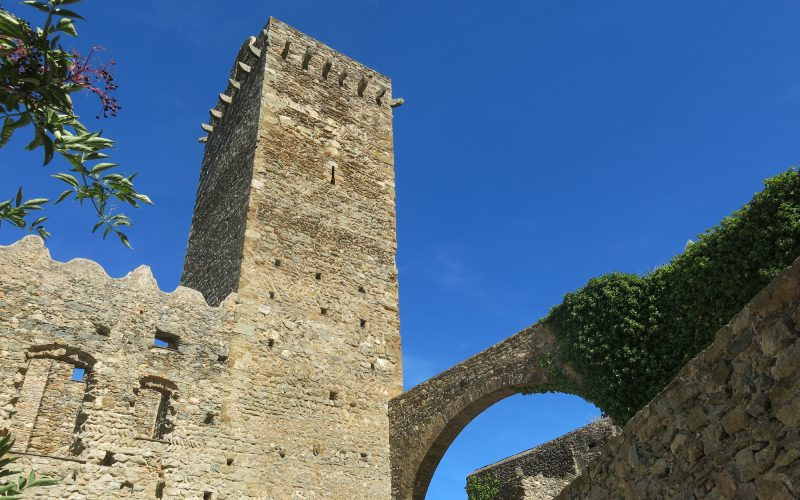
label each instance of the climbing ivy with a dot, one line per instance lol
(628, 335)
(483, 487)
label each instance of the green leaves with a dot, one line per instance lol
(41, 6)
(12, 490)
(35, 88)
(65, 24)
(10, 125)
(483, 487)
(15, 212)
(627, 336)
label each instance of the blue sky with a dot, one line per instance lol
(542, 143)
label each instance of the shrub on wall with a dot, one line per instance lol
(627, 335)
(483, 487)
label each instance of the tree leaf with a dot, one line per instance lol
(72, 181)
(100, 167)
(124, 239)
(67, 12)
(63, 196)
(37, 5)
(143, 197)
(65, 24)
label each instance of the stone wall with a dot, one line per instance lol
(279, 390)
(214, 253)
(56, 318)
(728, 426)
(542, 472)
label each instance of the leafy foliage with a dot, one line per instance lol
(483, 487)
(37, 76)
(12, 490)
(629, 335)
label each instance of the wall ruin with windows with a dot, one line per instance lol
(88, 396)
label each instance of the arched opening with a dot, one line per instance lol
(454, 426)
(425, 420)
(508, 427)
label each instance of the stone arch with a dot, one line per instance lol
(62, 352)
(425, 420)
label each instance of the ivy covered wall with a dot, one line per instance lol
(628, 335)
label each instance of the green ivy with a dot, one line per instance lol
(483, 487)
(627, 336)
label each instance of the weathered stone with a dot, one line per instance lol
(745, 465)
(305, 254)
(746, 414)
(735, 420)
(786, 361)
(773, 487)
(541, 472)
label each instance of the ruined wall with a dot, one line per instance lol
(542, 472)
(728, 426)
(56, 318)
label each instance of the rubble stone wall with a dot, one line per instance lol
(56, 317)
(316, 285)
(728, 426)
(542, 472)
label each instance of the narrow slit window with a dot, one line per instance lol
(333, 175)
(165, 340)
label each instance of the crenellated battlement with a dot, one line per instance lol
(99, 369)
(31, 249)
(285, 45)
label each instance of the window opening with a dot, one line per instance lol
(165, 340)
(78, 374)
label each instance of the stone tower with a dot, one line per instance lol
(295, 213)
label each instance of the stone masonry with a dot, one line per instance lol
(280, 387)
(542, 472)
(728, 426)
(99, 434)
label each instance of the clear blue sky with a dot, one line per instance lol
(542, 143)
